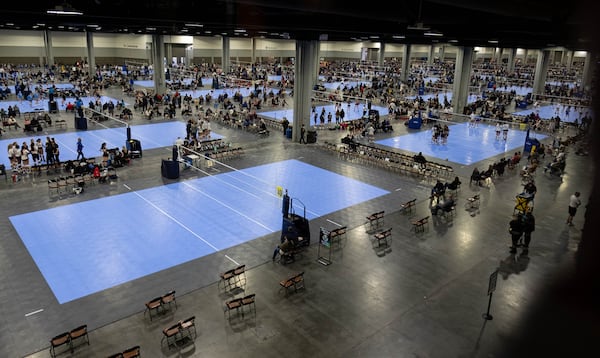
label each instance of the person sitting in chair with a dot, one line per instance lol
(284, 247)
(438, 190)
(420, 159)
(475, 176)
(454, 185)
(445, 206)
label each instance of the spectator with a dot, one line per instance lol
(574, 203)
(528, 228)
(515, 228)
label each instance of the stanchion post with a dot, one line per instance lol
(491, 289)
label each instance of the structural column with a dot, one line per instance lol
(91, 53)
(587, 71)
(306, 70)
(189, 54)
(512, 54)
(442, 54)
(405, 63)
(569, 59)
(169, 53)
(498, 54)
(430, 55)
(381, 56)
(462, 75)
(226, 61)
(541, 70)
(158, 55)
(48, 48)
(253, 50)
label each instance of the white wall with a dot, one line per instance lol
(18, 38)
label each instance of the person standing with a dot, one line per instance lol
(574, 203)
(302, 134)
(80, 150)
(528, 228)
(285, 124)
(515, 227)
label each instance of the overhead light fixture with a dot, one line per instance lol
(493, 41)
(430, 33)
(399, 37)
(194, 25)
(373, 37)
(239, 30)
(453, 41)
(64, 9)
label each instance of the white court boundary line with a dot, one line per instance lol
(178, 222)
(241, 171)
(226, 205)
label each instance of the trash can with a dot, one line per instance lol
(311, 136)
(81, 123)
(170, 169)
(134, 146)
(288, 133)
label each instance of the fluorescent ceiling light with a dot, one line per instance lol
(239, 30)
(373, 37)
(194, 25)
(92, 25)
(399, 36)
(64, 9)
(429, 33)
(493, 41)
(453, 41)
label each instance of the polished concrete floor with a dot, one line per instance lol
(422, 296)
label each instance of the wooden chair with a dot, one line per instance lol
(234, 304)
(226, 278)
(153, 305)
(79, 334)
(168, 299)
(419, 225)
(382, 237)
(170, 335)
(298, 281)
(250, 301)
(239, 274)
(375, 220)
(408, 206)
(472, 202)
(52, 187)
(287, 284)
(132, 352)
(188, 328)
(63, 339)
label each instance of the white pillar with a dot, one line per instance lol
(225, 60)
(405, 63)
(462, 75)
(541, 71)
(48, 47)
(512, 54)
(381, 58)
(587, 71)
(91, 56)
(158, 55)
(430, 55)
(306, 69)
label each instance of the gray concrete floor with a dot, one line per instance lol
(423, 296)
